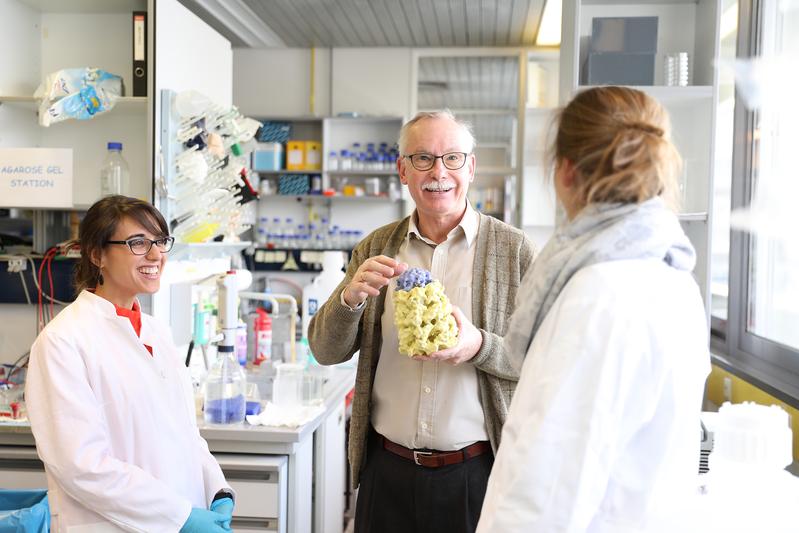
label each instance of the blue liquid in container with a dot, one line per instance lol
(225, 410)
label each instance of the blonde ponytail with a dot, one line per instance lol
(618, 141)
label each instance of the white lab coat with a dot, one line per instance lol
(115, 427)
(603, 431)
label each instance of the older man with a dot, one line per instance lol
(424, 429)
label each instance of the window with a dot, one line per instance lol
(762, 327)
(722, 177)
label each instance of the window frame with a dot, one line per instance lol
(770, 364)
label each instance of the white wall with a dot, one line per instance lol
(372, 81)
(191, 54)
(277, 82)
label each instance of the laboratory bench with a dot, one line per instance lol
(289, 480)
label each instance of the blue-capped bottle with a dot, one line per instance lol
(114, 172)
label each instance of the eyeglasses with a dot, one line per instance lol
(425, 161)
(142, 245)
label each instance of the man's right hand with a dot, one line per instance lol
(373, 274)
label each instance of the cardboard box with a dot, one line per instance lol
(295, 155)
(313, 155)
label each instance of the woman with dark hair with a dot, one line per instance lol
(110, 404)
(610, 335)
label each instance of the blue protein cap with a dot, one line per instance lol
(115, 146)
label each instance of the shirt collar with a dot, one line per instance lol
(469, 224)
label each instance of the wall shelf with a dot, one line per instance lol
(124, 103)
(667, 94)
(380, 199)
(275, 172)
(206, 250)
(362, 172)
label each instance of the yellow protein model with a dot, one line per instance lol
(423, 314)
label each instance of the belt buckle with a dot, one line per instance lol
(416, 455)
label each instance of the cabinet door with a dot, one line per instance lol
(330, 474)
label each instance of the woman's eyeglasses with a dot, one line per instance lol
(143, 245)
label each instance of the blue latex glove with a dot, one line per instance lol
(224, 506)
(204, 521)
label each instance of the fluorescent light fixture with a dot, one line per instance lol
(242, 21)
(549, 28)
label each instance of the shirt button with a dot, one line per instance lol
(427, 390)
(424, 425)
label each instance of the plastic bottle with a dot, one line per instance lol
(263, 337)
(241, 343)
(114, 172)
(319, 290)
(225, 389)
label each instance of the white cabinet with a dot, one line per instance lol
(690, 26)
(49, 36)
(261, 485)
(330, 477)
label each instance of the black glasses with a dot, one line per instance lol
(143, 245)
(425, 161)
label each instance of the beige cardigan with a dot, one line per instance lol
(502, 257)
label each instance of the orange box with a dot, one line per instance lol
(295, 155)
(313, 155)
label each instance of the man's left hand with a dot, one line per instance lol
(469, 342)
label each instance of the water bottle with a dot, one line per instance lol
(114, 172)
(225, 389)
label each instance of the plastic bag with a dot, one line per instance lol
(79, 93)
(24, 511)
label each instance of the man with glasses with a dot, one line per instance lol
(424, 429)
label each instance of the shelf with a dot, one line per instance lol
(693, 217)
(362, 172)
(494, 171)
(635, 2)
(305, 171)
(206, 250)
(675, 95)
(376, 199)
(288, 260)
(124, 103)
(87, 6)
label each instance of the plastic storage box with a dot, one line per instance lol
(267, 156)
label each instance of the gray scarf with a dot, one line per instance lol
(599, 233)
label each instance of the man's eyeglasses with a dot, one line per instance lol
(425, 161)
(143, 245)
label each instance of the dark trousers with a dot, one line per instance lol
(399, 496)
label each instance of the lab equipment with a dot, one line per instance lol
(287, 388)
(114, 174)
(676, 70)
(263, 337)
(253, 399)
(241, 343)
(225, 385)
(321, 287)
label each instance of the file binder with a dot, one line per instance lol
(139, 53)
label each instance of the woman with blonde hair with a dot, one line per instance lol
(610, 336)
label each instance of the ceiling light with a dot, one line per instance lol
(549, 28)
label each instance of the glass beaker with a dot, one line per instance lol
(287, 388)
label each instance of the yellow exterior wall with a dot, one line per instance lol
(743, 391)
